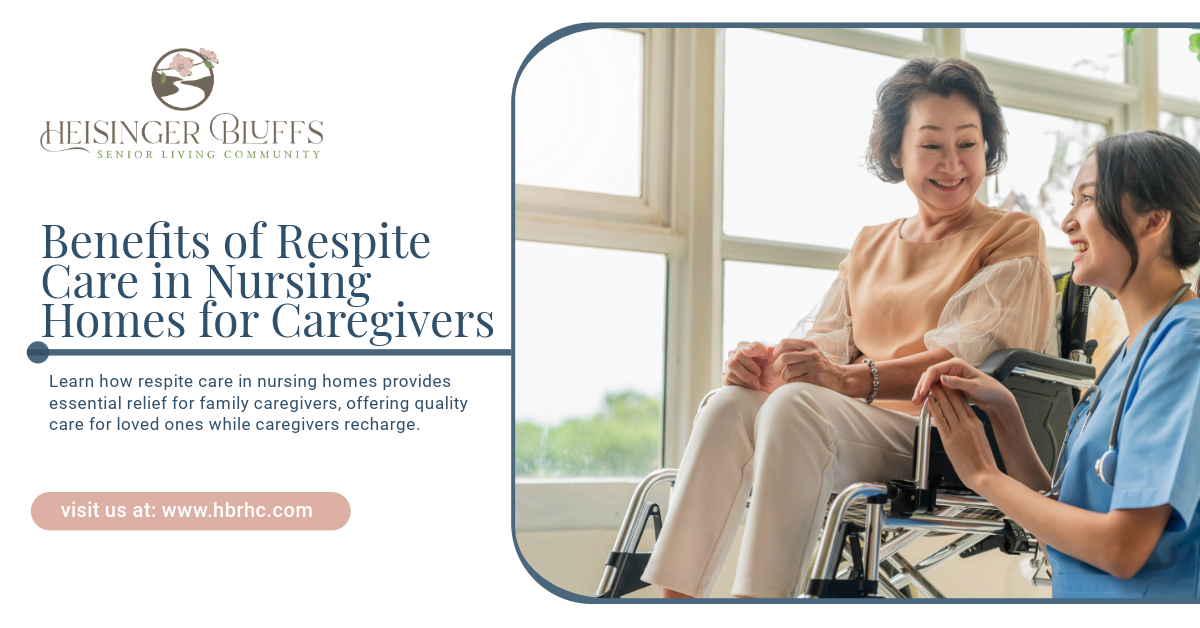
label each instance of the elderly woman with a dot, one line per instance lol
(831, 406)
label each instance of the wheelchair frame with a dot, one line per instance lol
(917, 508)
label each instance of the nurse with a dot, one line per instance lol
(1135, 225)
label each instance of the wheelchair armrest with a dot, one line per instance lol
(1005, 362)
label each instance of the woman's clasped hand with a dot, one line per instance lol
(990, 395)
(962, 434)
(798, 360)
(760, 367)
(749, 365)
(951, 387)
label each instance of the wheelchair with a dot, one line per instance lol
(860, 540)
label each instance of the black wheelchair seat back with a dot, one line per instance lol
(1046, 387)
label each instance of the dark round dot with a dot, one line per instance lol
(158, 264)
(399, 303)
(37, 352)
(368, 275)
(312, 264)
(383, 224)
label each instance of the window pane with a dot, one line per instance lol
(1178, 67)
(579, 114)
(907, 33)
(1186, 127)
(1044, 155)
(794, 155)
(1093, 52)
(765, 301)
(590, 363)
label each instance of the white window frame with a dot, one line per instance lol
(650, 223)
(1167, 102)
(650, 206)
(1179, 106)
(679, 213)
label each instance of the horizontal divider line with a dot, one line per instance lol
(278, 352)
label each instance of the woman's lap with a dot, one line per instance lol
(875, 439)
(794, 444)
(811, 442)
(859, 431)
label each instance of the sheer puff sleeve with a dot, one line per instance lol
(828, 325)
(1007, 305)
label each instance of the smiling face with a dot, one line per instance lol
(1100, 259)
(942, 154)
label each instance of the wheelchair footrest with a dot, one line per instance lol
(842, 588)
(630, 566)
(1014, 540)
(856, 585)
(986, 545)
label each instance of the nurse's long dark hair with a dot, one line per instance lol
(1152, 170)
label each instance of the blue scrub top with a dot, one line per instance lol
(1158, 462)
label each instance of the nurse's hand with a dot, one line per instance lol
(799, 360)
(962, 435)
(749, 366)
(990, 395)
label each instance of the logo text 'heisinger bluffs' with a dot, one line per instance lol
(114, 139)
(183, 79)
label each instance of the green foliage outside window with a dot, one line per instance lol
(1193, 40)
(622, 440)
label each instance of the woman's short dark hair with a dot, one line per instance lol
(917, 78)
(1150, 170)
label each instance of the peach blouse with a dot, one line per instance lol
(986, 287)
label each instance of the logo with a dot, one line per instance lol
(183, 78)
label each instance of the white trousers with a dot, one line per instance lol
(796, 447)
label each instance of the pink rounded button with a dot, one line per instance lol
(190, 511)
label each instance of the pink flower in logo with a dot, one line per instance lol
(210, 55)
(182, 64)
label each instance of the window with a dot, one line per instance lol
(1178, 67)
(793, 165)
(1092, 52)
(594, 113)
(1179, 83)
(617, 201)
(1044, 155)
(579, 114)
(907, 33)
(1186, 127)
(764, 302)
(590, 364)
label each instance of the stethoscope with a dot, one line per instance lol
(1106, 465)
